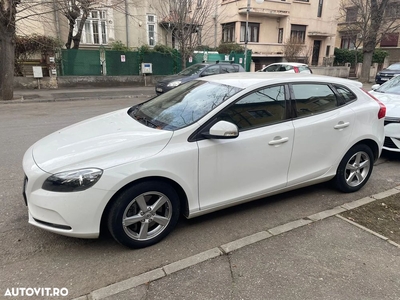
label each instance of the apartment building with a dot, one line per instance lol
(351, 28)
(274, 23)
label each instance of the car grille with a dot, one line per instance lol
(389, 143)
(391, 120)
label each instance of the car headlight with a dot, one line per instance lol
(174, 83)
(378, 74)
(72, 181)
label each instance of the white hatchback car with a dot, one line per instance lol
(389, 94)
(203, 146)
(287, 67)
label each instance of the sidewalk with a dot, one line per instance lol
(49, 95)
(322, 256)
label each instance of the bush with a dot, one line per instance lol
(119, 46)
(343, 56)
(227, 48)
(163, 48)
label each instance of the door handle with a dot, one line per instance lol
(342, 125)
(278, 141)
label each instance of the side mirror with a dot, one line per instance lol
(375, 87)
(222, 130)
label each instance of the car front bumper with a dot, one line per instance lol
(75, 214)
(392, 135)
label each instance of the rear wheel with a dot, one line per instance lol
(144, 214)
(355, 169)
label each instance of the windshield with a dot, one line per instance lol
(391, 87)
(192, 70)
(394, 67)
(183, 105)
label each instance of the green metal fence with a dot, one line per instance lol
(80, 62)
(118, 63)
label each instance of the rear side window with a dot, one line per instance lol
(304, 69)
(347, 95)
(228, 69)
(313, 99)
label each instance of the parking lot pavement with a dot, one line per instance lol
(323, 256)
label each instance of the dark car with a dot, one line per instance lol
(195, 71)
(388, 73)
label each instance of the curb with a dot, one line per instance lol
(238, 244)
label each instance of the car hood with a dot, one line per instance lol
(391, 101)
(103, 142)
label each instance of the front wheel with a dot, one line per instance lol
(144, 214)
(355, 169)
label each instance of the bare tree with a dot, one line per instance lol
(186, 22)
(294, 49)
(368, 22)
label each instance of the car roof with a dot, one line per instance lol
(246, 80)
(289, 64)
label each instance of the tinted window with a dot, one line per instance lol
(347, 95)
(227, 69)
(211, 70)
(313, 98)
(260, 108)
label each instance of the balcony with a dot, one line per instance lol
(266, 49)
(271, 8)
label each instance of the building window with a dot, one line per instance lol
(328, 50)
(151, 30)
(320, 4)
(95, 29)
(280, 35)
(298, 34)
(254, 29)
(348, 42)
(199, 3)
(392, 10)
(228, 32)
(390, 40)
(303, 0)
(351, 14)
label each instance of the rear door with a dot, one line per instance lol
(323, 125)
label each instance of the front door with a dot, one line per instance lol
(254, 163)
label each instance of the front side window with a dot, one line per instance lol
(183, 105)
(253, 34)
(313, 99)
(261, 108)
(298, 34)
(151, 30)
(95, 29)
(211, 70)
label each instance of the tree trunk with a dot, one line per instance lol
(366, 66)
(7, 70)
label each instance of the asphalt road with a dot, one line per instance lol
(30, 257)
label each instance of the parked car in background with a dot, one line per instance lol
(196, 71)
(389, 94)
(388, 73)
(288, 67)
(211, 143)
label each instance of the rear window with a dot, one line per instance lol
(346, 94)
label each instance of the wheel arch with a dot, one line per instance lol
(372, 145)
(181, 193)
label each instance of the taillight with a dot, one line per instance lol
(382, 109)
(296, 69)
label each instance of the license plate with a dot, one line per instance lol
(383, 78)
(159, 90)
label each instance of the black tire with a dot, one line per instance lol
(355, 169)
(134, 220)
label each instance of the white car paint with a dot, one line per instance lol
(213, 173)
(391, 99)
